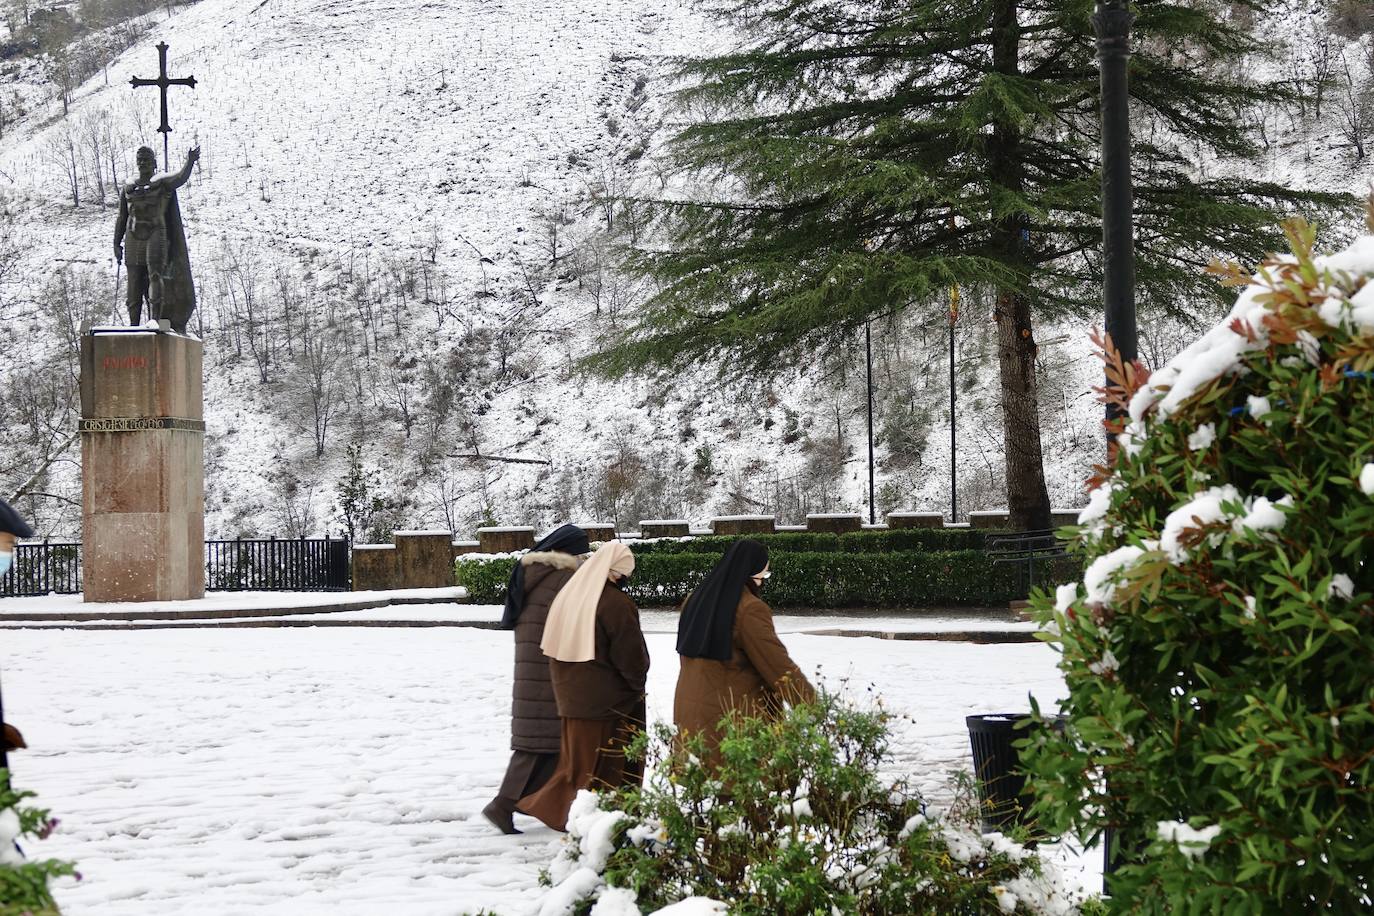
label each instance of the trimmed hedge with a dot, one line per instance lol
(902, 540)
(835, 579)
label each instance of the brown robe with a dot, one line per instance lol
(602, 707)
(757, 679)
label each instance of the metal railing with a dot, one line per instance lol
(238, 565)
(52, 567)
(289, 564)
(1026, 549)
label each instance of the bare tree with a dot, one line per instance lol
(97, 140)
(319, 380)
(242, 266)
(61, 150)
(1356, 106)
(62, 71)
(400, 390)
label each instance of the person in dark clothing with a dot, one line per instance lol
(732, 659)
(600, 664)
(535, 725)
(12, 528)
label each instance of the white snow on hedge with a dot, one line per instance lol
(616, 901)
(1357, 312)
(1261, 515)
(563, 899)
(693, 906)
(1192, 842)
(1100, 578)
(1367, 479)
(1217, 353)
(593, 829)
(1107, 664)
(9, 832)
(1202, 437)
(1099, 501)
(1221, 351)
(1342, 586)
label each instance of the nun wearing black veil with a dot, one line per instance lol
(536, 728)
(732, 659)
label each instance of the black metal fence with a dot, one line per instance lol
(271, 565)
(240, 565)
(44, 569)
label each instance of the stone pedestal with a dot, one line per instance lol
(902, 520)
(374, 567)
(143, 468)
(424, 559)
(664, 528)
(996, 519)
(1061, 517)
(834, 523)
(505, 540)
(744, 524)
(599, 532)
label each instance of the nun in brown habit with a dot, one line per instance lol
(599, 662)
(732, 659)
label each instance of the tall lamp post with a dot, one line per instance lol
(868, 349)
(953, 432)
(1112, 22)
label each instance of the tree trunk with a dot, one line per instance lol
(1027, 499)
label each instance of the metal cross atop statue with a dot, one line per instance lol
(162, 82)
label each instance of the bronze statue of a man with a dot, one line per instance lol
(150, 239)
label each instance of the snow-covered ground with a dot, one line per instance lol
(342, 770)
(72, 607)
(442, 607)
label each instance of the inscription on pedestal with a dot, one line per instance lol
(124, 362)
(134, 424)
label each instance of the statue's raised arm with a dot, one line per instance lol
(180, 178)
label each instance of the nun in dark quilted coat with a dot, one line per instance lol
(536, 728)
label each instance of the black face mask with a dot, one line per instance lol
(621, 583)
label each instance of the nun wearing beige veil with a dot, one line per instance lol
(599, 663)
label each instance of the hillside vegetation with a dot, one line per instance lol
(402, 229)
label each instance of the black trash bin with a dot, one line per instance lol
(997, 769)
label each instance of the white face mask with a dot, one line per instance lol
(5, 559)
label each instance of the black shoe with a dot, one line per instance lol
(501, 816)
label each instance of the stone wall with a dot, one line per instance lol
(424, 559)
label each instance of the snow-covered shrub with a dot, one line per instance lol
(794, 821)
(24, 882)
(1218, 650)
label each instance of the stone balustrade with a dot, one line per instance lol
(424, 559)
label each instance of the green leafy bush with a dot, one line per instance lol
(916, 539)
(794, 822)
(24, 882)
(485, 579)
(811, 580)
(1218, 650)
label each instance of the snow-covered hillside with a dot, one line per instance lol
(395, 235)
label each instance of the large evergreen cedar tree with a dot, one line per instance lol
(852, 160)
